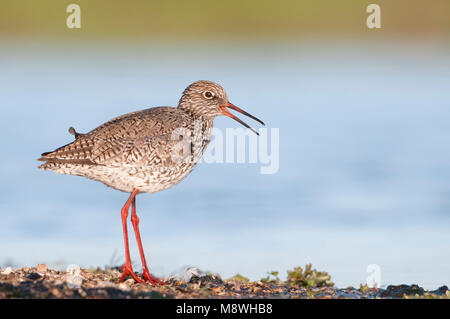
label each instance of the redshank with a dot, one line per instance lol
(146, 151)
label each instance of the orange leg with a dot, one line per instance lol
(127, 269)
(135, 221)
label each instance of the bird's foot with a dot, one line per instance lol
(128, 270)
(152, 279)
(146, 274)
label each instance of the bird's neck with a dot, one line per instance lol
(202, 125)
(201, 120)
(201, 132)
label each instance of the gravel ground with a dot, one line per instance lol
(40, 282)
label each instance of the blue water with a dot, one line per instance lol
(364, 173)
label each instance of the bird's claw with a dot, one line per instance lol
(128, 270)
(152, 279)
(146, 274)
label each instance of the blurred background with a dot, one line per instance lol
(363, 116)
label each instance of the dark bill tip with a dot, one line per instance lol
(234, 107)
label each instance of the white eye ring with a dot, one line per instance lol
(208, 95)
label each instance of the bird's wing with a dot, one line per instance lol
(140, 138)
(151, 151)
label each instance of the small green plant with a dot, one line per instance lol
(364, 288)
(239, 278)
(272, 276)
(309, 277)
(310, 293)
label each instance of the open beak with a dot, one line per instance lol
(225, 112)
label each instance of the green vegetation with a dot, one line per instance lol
(364, 288)
(271, 277)
(239, 278)
(309, 277)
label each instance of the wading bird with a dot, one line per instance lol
(146, 151)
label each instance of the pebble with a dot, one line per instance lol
(105, 284)
(82, 292)
(55, 292)
(42, 268)
(34, 276)
(7, 271)
(129, 282)
(123, 286)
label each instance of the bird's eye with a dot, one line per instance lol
(208, 95)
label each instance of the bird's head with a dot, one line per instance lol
(209, 99)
